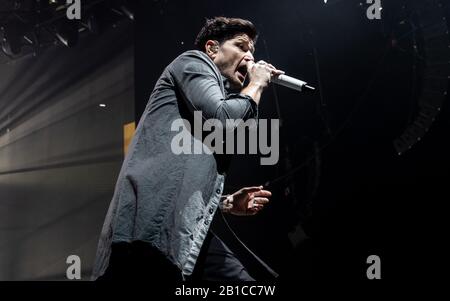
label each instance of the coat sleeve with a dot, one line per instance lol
(196, 81)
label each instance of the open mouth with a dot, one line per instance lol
(242, 72)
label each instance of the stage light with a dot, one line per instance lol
(11, 47)
(124, 8)
(67, 32)
(37, 24)
(92, 24)
(12, 37)
(127, 12)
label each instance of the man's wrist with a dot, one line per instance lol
(226, 203)
(254, 90)
(257, 85)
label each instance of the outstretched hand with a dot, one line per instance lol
(248, 200)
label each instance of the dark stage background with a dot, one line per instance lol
(347, 188)
(341, 190)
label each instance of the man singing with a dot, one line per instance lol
(157, 225)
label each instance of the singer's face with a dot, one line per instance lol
(232, 58)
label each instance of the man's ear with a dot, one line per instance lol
(211, 47)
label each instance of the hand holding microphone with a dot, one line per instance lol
(263, 73)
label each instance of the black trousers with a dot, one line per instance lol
(138, 261)
(216, 262)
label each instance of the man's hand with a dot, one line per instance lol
(260, 73)
(247, 201)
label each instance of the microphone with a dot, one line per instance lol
(291, 82)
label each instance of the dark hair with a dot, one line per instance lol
(222, 29)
